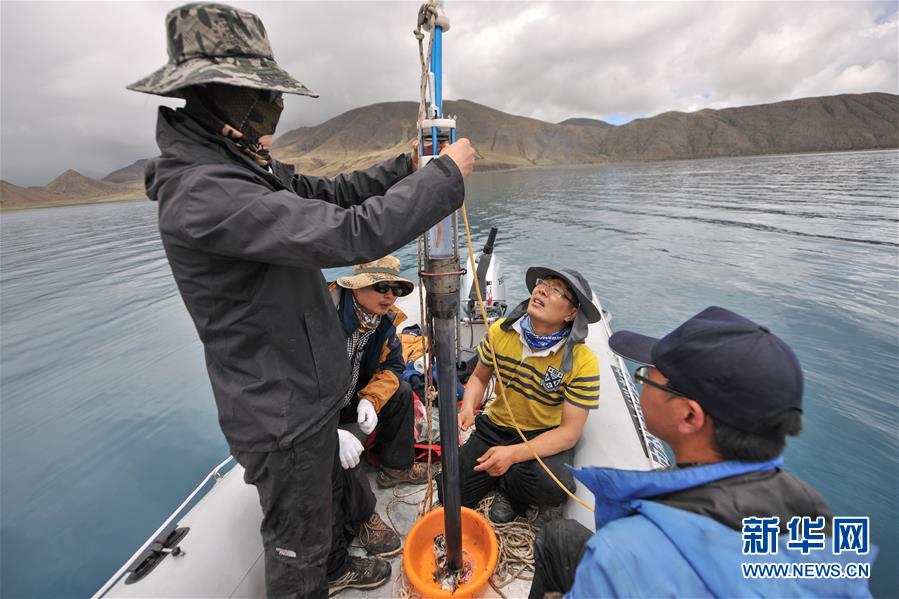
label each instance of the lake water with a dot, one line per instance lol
(108, 420)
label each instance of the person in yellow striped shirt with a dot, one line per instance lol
(551, 382)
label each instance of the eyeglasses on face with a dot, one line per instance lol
(398, 290)
(641, 375)
(552, 290)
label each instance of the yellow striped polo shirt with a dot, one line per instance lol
(535, 385)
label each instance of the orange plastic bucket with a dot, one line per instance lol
(478, 543)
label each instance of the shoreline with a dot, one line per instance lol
(695, 159)
(74, 202)
(488, 171)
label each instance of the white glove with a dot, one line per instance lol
(368, 417)
(350, 449)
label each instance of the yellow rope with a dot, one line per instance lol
(499, 378)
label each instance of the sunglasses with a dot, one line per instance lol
(641, 375)
(398, 290)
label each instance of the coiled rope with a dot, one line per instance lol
(516, 544)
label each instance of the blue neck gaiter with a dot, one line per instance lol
(537, 342)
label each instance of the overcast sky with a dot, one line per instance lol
(65, 64)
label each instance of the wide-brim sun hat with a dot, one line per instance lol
(384, 270)
(574, 280)
(215, 43)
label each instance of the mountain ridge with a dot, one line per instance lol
(829, 123)
(369, 134)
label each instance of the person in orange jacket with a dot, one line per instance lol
(377, 395)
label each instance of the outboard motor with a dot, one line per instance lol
(492, 282)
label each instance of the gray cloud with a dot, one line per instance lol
(65, 64)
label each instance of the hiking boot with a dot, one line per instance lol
(416, 474)
(361, 573)
(502, 511)
(379, 539)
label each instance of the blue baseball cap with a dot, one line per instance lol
(738, 371)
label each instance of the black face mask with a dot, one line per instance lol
(263, 117)
(253, 112)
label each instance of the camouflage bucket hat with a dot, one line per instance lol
(214, 43)
(386, 269)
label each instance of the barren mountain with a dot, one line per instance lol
(13, 196)
(586, 122)
(833, 123)
(133, 174)
(75, 185)
(366, 135)
(71, 187)
(363, 136)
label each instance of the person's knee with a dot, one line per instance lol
(404, 398)
(557, 535)
(550, 493)
(404, 391)
(558, 548)
(528, 482)
(400, 402)
(546, 541)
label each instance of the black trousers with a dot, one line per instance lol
(558, 550)
(309, 504)
(396, 420)
(525, 483)
(353, 503)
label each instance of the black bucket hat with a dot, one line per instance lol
(574, 280)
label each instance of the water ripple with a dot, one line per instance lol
(102, 369)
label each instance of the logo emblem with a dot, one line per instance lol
(552, 379)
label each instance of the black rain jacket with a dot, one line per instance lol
(245, 247)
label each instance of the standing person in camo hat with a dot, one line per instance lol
(724, 393)
(245, 237)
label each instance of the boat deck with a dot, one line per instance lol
(223, 551)
(402, 505)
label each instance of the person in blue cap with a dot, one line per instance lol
(724, 393)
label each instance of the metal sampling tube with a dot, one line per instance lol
(443, 305)
(442, 282)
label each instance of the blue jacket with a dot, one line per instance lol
(648, 548)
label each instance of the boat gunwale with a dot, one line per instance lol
(215, 474)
